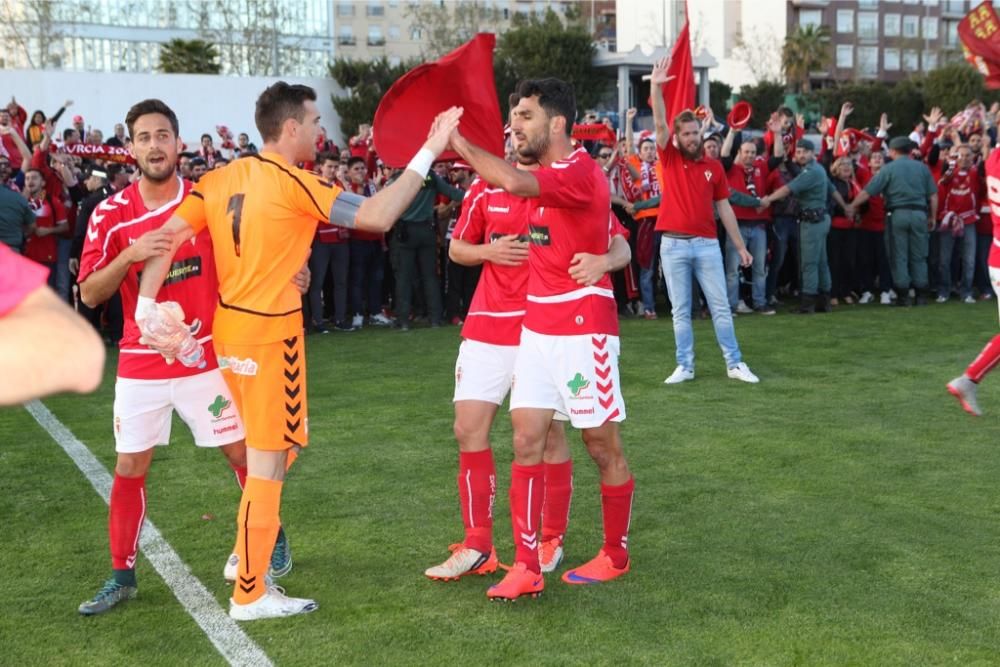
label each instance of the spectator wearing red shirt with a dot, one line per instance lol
(330, 254)
(873, 261)
(959, 188)
(842, 243)
(50, 220)
(693, 187)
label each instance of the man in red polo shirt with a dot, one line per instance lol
(50, 222)
(690, 184)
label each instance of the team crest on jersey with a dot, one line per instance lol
(708, 174)
(539, 235)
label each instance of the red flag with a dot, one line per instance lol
(979, 33)
(679, 93)
(462, 78)
(594, 132)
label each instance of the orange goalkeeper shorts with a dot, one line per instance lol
(268, 383)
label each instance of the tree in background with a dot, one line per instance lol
(548, 47)
(952, 87)
(805, 50)
(252, 34)
(189, 56)
(365, 82)
(719, 94)
(764, 97)
(29, 26)
(449, 25)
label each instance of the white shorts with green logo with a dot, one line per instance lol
(574, 375)
(144, 408)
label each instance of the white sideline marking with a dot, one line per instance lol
(227, 637)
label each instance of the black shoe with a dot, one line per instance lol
(921, 300)
(823, 303)
(904, 301)
(343, 325)
(319, 328)
(807, 304)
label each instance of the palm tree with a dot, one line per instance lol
(806, 50)
(189, 56)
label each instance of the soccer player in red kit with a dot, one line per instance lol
(492, 230)
(567, 361)
(965, 385)
(123, 232)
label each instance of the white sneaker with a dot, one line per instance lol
(358, 321)
(969, 299)
(463, 561)
(893, 294)
(273, 604)
(743, 373)
(679, 375)
(885, 299)
(380, 319)
(231, 568)
(550, 555)
(964, 390)
(742, 308)
(867, 297)
(941, 299)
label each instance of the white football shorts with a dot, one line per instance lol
(143, 411)
(574, 375)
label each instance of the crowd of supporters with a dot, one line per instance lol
(55, 174)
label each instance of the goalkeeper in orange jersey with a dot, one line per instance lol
(261, 213)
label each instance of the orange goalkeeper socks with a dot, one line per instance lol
(256, 530)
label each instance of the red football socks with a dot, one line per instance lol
(477, 484)
(527, 489)
(558, 494)
(616, 503)
(986, 360)
(241, 475)
(127, 511)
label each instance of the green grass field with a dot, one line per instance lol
(842, 512)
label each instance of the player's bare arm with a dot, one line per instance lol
(728, 219)
(587, 269)
(505, 251)
(494, 170)
(102, 284)
(155, 270)
(379, 212)
(71, 359)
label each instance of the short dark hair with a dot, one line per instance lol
(113, 169)
(68, 132)
(686, 116)
(37, 171)
(151, 106)
(206, 135)
(198, 162)
(644, 140)
(327, 156)
(554, 95)
(355, 160)
(786, 111)
(277, 104)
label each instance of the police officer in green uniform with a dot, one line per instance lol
(911, 203)
(811, 188)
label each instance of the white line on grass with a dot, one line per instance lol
(222, 631)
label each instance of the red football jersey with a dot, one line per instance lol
(49, 212)
(498, 304)
(993, 194)
(116, 223)
(690, 189)
(571, 215)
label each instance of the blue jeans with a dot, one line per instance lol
(647, 278)
(967, 241)
(755, 239)
(701, 259)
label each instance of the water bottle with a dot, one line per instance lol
(191, 352)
